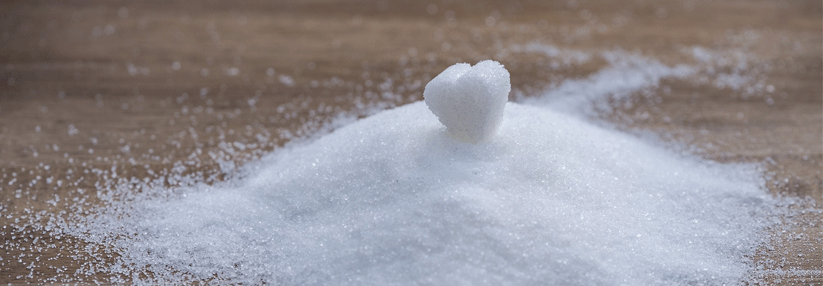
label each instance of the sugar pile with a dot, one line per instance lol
(397, 198)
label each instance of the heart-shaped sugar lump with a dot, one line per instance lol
(469, 100)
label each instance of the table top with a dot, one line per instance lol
(153, 83)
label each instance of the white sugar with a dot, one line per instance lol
(540, 197)
(395, 199)
(468, 100)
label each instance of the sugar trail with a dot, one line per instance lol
(394, 199)
(626, 75)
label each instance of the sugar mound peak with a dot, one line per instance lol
(468, 100)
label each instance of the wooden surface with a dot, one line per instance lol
(87, 85)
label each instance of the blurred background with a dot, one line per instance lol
(145, 87)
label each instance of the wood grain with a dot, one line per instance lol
(88, 85)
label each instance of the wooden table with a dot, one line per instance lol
(91, 84)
